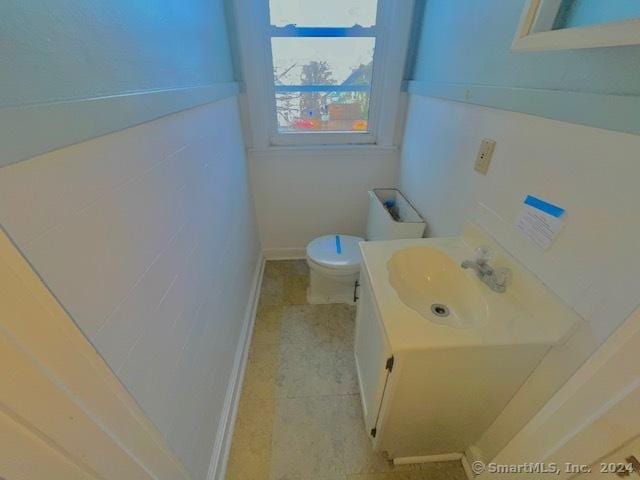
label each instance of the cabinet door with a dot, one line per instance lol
(372, 353)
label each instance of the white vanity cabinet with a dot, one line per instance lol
(419, 402)
(432, 385)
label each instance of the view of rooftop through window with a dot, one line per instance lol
(322, 63)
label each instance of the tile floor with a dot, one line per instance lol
(299, 416)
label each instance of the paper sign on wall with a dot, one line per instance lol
(540, 221)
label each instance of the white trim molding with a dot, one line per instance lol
(538, 13)
(29, 130)
(612, 112)
(442, 457)
(466, 465)
(222, 446)
(328, 151)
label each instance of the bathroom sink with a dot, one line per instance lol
(434, 285)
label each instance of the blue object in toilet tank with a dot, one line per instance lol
(338, 245)
(392, 207)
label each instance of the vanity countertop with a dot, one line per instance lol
(528, 313)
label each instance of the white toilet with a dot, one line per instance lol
(334, 260)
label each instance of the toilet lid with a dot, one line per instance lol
(339, 252)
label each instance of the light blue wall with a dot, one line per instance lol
(467, 41)
(53, 50)
(464, 53)
(66, 51)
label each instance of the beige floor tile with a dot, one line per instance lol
(285, 283)
(321, 436)
(306, 442)
(444, 471)
(299, 370)
(331, 477)
(250, 455)
(305, 324)
(431, 471)
(261, 378)
(272, 290)
(268, 325)
(287, 267)
(358, 454)
(318, 323)
(316, 369)
(412, 475)
(295, 290)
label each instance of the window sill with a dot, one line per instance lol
(322, 138)
(322, 151)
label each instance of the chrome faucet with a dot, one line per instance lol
(495, 278)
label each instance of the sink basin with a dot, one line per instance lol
(434, 285)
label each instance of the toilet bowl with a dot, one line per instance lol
(334, 265)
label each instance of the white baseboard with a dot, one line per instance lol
(222, 445)
(330, 299)
(468, 471)
(443, 457)
(472, 454)
(284, 253)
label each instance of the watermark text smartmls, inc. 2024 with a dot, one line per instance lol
(479, 468)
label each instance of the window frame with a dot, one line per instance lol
(254, 36)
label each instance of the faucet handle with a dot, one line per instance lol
(482, 255)
(503, 276)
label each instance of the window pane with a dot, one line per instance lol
(322, 111)
(322, 61)
(323, 13)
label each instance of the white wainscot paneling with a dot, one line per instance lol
(148, 239)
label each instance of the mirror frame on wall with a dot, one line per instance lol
(605, 35)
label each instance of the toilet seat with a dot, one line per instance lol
(335, 254)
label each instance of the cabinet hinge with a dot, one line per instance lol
(389, 365)
(373, 432)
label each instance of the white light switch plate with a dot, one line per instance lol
(484, 155)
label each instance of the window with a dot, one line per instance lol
(322, 58)
(322, 72)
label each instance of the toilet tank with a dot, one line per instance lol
(392, 217)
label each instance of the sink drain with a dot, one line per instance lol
(440, 310)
